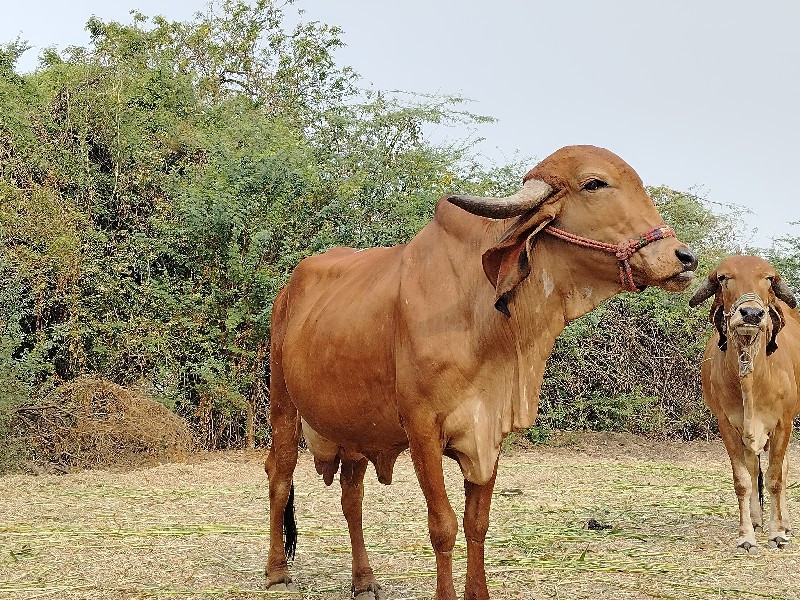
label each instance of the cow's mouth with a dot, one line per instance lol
(677, 283)
(747, 332)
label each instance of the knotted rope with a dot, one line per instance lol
(745, 355)
(623, 251)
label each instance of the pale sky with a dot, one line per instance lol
(692, 93)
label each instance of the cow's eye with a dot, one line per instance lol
(722, 278)
(594, 184)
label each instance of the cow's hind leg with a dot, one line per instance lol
(476, 524)
(352, 481)
(787, 525)
(280, 464)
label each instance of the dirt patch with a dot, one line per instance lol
(200, 530)
(91, 423)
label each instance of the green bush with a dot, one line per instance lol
(158, 186)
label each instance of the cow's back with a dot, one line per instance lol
(338, 345)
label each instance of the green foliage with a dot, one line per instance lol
(159, 186)
(785, 257)
(13, 393)
(9, 54)
(539, 435)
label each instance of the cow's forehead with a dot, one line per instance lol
(572, 163)
(745, 266)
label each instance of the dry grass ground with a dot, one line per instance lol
(199, 530)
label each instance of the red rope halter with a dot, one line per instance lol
(623, 251)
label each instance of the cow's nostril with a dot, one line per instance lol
(752, 314)
(687, 258)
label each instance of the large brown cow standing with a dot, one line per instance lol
(440, 345)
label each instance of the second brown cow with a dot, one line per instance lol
(751, 372)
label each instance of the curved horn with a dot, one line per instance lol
(705, 291)
(532, 194)
(783, 292)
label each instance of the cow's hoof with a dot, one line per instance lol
(758, 529)
(372, 592)
(747, 548)
(778, 542)
(283, 587)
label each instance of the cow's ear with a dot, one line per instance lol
(776, 313)
(783, 292)
(717, 317)
(508, 262)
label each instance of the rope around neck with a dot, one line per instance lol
(623, 251)
(745, 355)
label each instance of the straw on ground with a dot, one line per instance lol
(199, 530)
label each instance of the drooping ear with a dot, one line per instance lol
(508, 262)
(718, 318)
(776, 313)
(783, 292)
(707, 289)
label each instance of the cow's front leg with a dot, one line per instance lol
(476, 523)
(426, 454)
(779, 527)
(756, 500)
(740, 458)
(786, 521)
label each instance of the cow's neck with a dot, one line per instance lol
(555, 293)
(559, 290)
(749, 365)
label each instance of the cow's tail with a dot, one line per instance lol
(290, 526)
(760, 484)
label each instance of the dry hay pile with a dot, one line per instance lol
(90, 422)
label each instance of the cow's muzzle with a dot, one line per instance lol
(626, 249)
(747, 317)
(683, 279)
(752, 315)
(688, 259)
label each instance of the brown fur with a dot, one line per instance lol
(391, 348)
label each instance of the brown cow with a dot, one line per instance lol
(440, 345)
(751, 372)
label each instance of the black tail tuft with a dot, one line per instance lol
(760, 484)
(290, 526)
